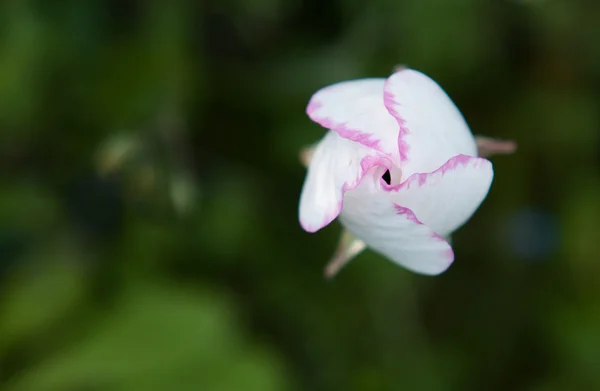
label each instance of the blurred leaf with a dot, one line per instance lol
(184, 193)
(581, 246)
(28, 206)
(21, 59)
(39, 294)
(446, 37)
(548, 117)
(160, 338)
(577, 342)
(230, 215)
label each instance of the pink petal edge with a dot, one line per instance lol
(421, 178)
(364, 138)
(366, 163)
(389, 101)
(409, 214)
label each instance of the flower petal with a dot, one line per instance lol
(446, 198)
(407, 223)
(396, 233)
(356, 111)
(337, 165)
(432, 129)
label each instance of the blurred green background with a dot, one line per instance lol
(150, 179)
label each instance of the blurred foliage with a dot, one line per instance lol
(148, 229)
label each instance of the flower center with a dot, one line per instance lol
(387, 177)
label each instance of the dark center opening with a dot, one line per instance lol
(387, 177)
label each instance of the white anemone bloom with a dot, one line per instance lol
(398, 166)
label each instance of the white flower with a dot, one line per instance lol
(399, 166)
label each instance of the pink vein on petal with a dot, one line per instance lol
(389, 101)
(410, 215)
(364, 138)
(344, 131)
(452, 164)
(365, 164)
(403, 211)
